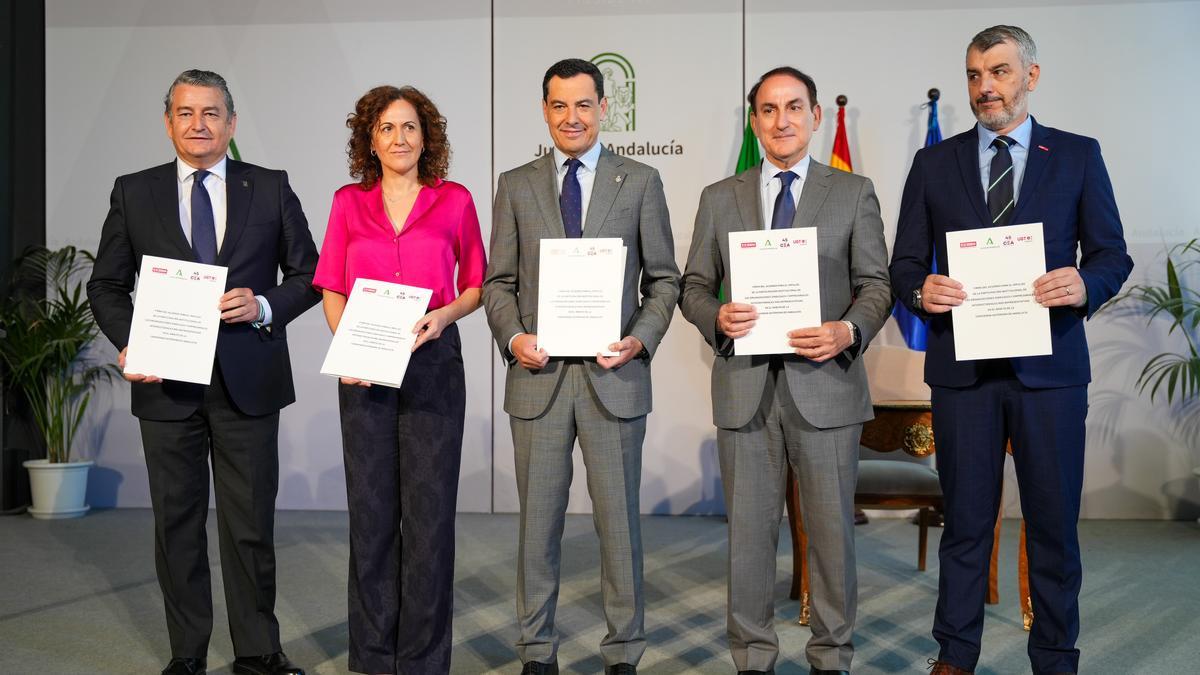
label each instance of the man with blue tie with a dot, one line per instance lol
(1009, 169)
(580, 189)
(209, 209)
(803, 409)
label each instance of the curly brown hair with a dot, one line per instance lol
(435, 158)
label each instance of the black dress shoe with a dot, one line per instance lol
(183, 666)
(271, 664)
(813, 670)
(539, 668)
(621, 669)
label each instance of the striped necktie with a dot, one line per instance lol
(1000, 197)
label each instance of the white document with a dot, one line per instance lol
(579, 296)
(776, 271)
(175, 320)
(374, 338)
(997, 267)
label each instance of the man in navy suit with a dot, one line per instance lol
(1010, 170)
(206, 208)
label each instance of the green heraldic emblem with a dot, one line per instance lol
(621, 89)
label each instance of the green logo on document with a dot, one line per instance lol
(620, 86)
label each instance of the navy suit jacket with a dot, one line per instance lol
(265, 232)
(1066, 188)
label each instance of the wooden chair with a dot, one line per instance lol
(889, 484)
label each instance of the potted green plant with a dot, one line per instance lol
(1174, 374)
(49, 329)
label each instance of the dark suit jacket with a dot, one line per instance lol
(265, 232)
(1066, 188)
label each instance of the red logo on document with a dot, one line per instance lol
(368, 290)
(749, 244)
(966, 244)
(158, 270)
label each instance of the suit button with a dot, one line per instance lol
(395, 274)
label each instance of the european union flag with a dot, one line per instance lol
(911, 327)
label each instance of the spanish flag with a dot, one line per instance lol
(841, 147)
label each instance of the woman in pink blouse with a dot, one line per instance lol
(402, 222)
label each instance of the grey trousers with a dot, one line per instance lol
(612, 453)
(754, 461)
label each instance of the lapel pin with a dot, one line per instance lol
(1044, 148)
(246, 183)
(617, 178)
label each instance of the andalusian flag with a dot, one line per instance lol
(749, 156)
(913, 329)
(841, 147)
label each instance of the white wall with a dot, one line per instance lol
(295, 71)
(1119, 71)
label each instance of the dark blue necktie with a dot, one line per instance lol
(570, 200)
(1000, 192)
(204, 228)
(785, 208)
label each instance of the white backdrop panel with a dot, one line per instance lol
(1109, 70)
(295, 71)
(686, 57)
(1112, 70)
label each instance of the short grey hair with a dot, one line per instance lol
(199, 78)
(990, 37)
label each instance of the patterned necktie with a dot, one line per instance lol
(204, 229)
(1000, 192)
(570, 200)
(785, 208)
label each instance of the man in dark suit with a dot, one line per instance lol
(1010, 170)
(579, 189)
(210, 209)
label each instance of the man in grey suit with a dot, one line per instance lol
(804, 409)
(579, 189)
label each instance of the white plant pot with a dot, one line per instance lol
(58, 490)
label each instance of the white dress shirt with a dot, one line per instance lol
(770, 185)
(586, 175)
(215, 183)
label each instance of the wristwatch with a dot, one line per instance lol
(916, 301)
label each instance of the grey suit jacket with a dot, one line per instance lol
(854, 287)
(627, 201)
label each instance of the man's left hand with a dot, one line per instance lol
(1062, 287)
(626, 348)
(239, 306)
(822, 342)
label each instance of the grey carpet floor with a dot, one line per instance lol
(81, 597)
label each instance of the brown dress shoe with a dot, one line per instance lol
(944, 668)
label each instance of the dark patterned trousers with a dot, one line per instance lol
(402, 451)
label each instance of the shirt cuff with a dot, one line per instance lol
(264, 311)
(510, 341)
